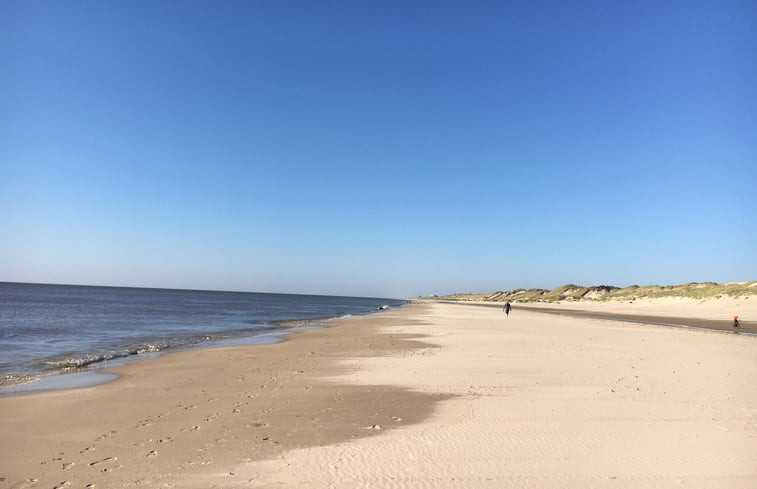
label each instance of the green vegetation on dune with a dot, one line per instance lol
(571, 292)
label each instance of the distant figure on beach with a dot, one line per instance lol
(507, 308)
(736, 323)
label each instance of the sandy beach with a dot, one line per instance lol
(715, 314)
(431, 395)
(721, 309)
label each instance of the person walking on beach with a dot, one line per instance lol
(507, 309)
(736, 323)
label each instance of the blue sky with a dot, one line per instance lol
(377, 148)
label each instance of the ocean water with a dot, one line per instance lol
(47, 329)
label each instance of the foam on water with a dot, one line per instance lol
(53, 329)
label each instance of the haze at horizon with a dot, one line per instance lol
(387, 149)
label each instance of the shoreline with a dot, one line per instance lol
(94, 371)
(724, 326)
(172, 418)
(746, 327)
(53, 329)
(102, 372)
(437, 395)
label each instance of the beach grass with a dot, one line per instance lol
(572, 292)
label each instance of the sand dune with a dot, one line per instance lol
(598, 293)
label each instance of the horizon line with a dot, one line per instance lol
(193, 290)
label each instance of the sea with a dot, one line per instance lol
(71, 329)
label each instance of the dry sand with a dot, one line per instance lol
(433, 395)
(716, 309)
(710, 314)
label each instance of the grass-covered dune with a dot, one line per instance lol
(571, 292)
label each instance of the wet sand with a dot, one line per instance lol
(549, 401)
(189, 417)
(432, 395)
(660, 320)
(714, 324)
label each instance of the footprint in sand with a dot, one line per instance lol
(103, 460)
(153, 453)
(27, 483)
(103, 436)
(110, 469)
(143, 482)
(68, 465)
(56, 459)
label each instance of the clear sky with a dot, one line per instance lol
(377, 148)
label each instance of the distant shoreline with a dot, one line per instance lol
(747, 327)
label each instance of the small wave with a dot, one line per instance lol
(298, 323)
(69, 364)
(17, 379)
(149, 349)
